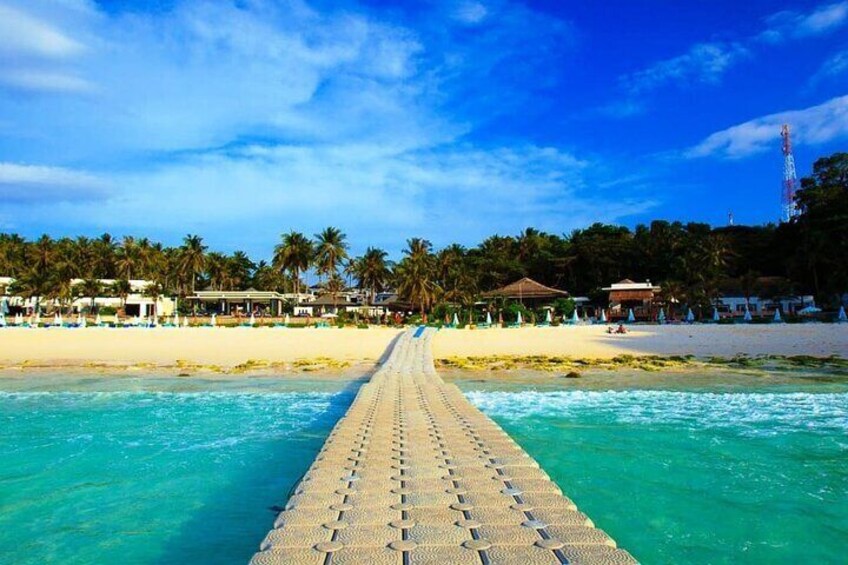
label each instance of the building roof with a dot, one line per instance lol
(328, 300)
(236, 295)
(627, 284)
(526, 288)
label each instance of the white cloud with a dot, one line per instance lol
(817, 124)
(834, 66)
(34, 183)
(704, 63)
(470, 12)
(24, 35)
(793, 25)
(31, 79)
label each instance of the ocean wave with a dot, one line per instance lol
(751, 413)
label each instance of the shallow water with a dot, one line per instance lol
(726, 470)
(153, 470)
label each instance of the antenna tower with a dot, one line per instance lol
(790, 179)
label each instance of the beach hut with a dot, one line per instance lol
(661, 316)
(747, 317)
(715, 315)
(777, 319)
(690, 316)
(842, 317)
(527, 292)
(603, 316)
(630, 317)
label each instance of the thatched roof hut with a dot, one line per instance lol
(526, 289)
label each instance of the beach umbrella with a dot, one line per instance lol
(548, 317)
(777, 318)
(747, 316)
(690, 316)
(488, 318)
(519, 321)
(252, 319)
(575, 319)
(213, 321)
(715, 315)
(603, 316)
(287, 320)
(455, 319)
(185, 321)
(661, 316)
(842, 317)
(98, 321)
(57, 321)
(630, 317)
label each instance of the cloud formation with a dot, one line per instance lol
(795, 25)
(704, 63)
(811, 126)
(33, 184)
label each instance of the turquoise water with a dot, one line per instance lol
(153, 470)
(678, 469)
(745, 472)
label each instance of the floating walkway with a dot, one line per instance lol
(413, 474)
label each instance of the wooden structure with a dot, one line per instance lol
(638, 296)
(527, 290)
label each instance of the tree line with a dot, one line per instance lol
(693, 262)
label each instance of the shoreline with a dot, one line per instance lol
(187, 351)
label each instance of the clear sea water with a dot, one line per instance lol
(153, 470)
(723, 470)
(713, 469)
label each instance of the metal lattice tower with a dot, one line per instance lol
(790, 179)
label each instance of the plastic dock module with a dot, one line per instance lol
(414, 474)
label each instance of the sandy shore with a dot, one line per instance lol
(230, 347)
(205, 346)
(820, 340)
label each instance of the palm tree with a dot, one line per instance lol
(122, 289)
(414, 274)
(192, 258)
(90, 288)
(330, 250)
(294, 253)
(372, 270)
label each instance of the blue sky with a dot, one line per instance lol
(451, 120)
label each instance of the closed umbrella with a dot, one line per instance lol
(603, 316)
(661, 316)
(715, 315)
(83, 323)
(575, 319)
(548, 317)
(455, 321)
(98, 321)
(252, 319)
(747, 316)
(690, 316)
(287, 321)
(213, 320)
(519, 321)
(2, 319)
(185, 321)
(777, 318)
(630, 317)
(488, 318)
(842, 317)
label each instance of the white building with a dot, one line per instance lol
(762, 306)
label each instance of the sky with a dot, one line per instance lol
(446, 119)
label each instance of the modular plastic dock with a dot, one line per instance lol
(414, 474)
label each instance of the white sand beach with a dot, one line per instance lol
(229, 347)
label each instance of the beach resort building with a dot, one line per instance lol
(137, 302)
(244, 302)
(638, 296)
(528, 292)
